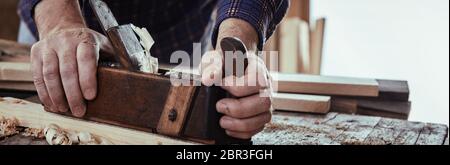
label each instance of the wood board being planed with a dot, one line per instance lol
(325, 85)
(301, 103)
(33, 115)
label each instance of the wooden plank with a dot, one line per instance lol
(410, 134)
(432, 134)
(12, 48)
(301, 103)
(299, 9)
(33, 115)
(356, 128)
(344, 105)
(18, 85)
(295, 129)
(15, 71)
(325, 85)
(317, 42)
(393, 90)
(304, 52)
(289, 45)
(374, 112)
(398, 107)
(395, 132)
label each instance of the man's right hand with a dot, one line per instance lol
(64, 66)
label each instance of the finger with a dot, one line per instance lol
(53, 81)
(243, 135)
(87, 56)
(38, 78)
(251, 83)
(244, 107)
(245, 125)
(69, 77)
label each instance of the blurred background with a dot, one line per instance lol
(383, 39)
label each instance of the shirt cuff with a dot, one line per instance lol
(26, 12)
(250, 11)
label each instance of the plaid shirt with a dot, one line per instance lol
(176, 24)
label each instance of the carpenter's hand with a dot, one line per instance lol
(246, 115)
(64, 66)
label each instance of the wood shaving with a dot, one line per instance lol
(34, 132)
(149, 64)
(8, 127)
(57, 136)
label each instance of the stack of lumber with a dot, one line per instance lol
(322, 94)
(299, 44)
(15, 72)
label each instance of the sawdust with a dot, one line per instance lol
(8, 127)
(34, 132)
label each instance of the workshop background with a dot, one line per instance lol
(385, 39)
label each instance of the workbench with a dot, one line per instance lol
(330, 129)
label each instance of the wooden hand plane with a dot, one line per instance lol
(150, 102)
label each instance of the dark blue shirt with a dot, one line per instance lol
(176, 24)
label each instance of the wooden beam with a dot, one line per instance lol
(13, 48)
(18, 85)
(300, 9)
(324, 85)
(394, 90)
(344, 105)
(289, 45)
(15, 71)
(317, 42)
(33, 115)
(301, 103)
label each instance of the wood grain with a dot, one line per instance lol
(301, 103)
(33, 115)
(15, 71)
(178, 102)
(393, 90)
(381, 113)
(325, 85)
(17, 85)
(317, 42)
(342, 129)
(344, 105)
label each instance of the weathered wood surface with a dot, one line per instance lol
(343, 129)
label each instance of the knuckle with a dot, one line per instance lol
(38, 81)
(67, 72)
(50, 74)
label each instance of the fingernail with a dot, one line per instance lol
(79, 111)
(89, 94)
(62, 109)
(222, 107)
(225, 122)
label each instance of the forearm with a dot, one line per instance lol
(53, 15)
(241, 29)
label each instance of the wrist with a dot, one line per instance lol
(52, 16)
